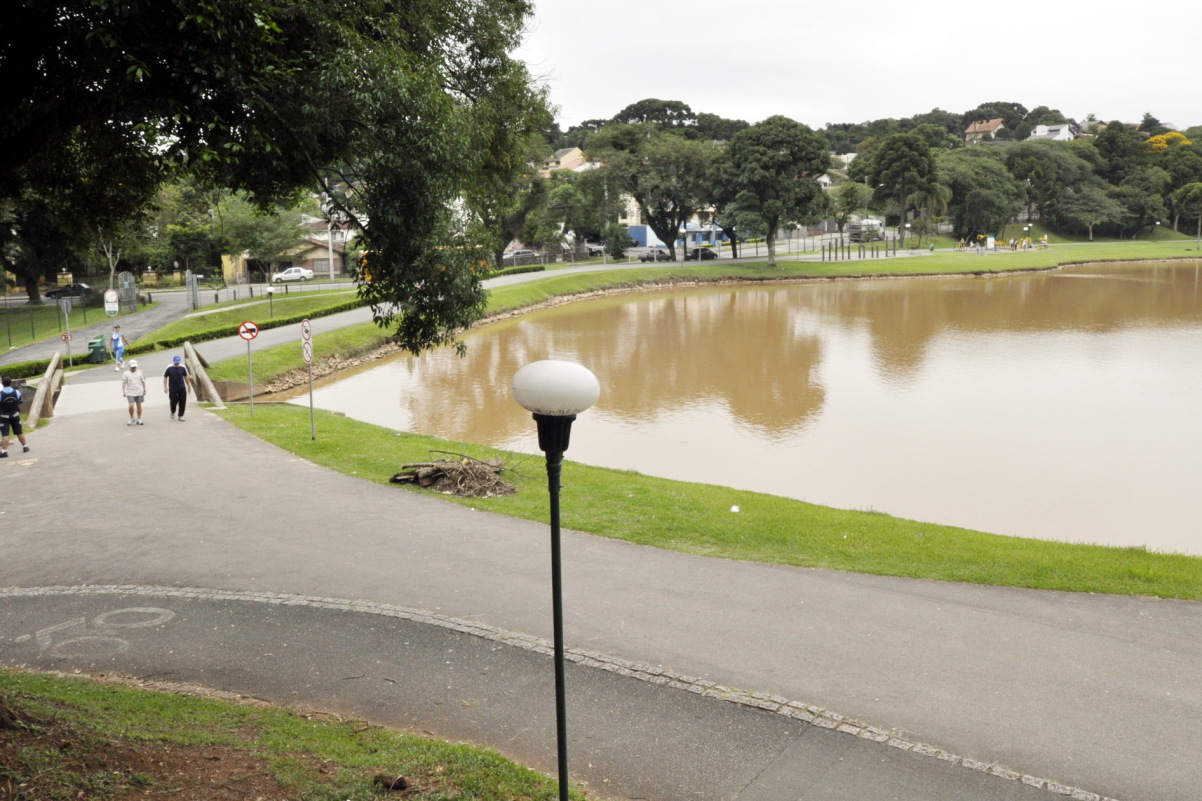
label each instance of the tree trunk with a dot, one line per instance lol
(771, 240)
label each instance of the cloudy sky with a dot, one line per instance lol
(850, 62)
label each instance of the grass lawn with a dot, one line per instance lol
(695, 518)
(261, 310)
(76, 738)
(22, 325)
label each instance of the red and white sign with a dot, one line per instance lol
(307, 351)
(65, 337)
(306, 330)
(248, 330)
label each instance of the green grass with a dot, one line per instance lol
(261, 310)
(22, 325)
(76, 735)
(695, 518)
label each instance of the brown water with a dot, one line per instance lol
(1059, 405)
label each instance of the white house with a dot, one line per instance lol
(1061, 133)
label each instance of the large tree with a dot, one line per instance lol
(985, 196)
(769, 172)
(1088, 206)
(1188, 202)
(410, 102)
(665, 174)
(904, 164)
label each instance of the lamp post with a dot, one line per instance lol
(556, 391)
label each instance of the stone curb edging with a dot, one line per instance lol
(797, 710)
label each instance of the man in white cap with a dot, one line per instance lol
(133, 387)
(177, 384)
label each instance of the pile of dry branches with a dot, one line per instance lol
(465, 476)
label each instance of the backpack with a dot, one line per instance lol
(10, 403)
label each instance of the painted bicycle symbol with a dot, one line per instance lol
(99, 638)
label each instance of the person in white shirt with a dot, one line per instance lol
(133, 387)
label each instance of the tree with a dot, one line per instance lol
(266, 237)
(665, 174)
(1188, 200)
(904, 164)
(847, 199)
(1142, 196)
(1046, 168)
(1123, 151)
(985, 196)
(410, 104)
(768, 172)
(1088, 206)
(664, 113)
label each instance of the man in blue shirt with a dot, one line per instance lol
(10, 416)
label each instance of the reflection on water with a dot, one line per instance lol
(1058, 405)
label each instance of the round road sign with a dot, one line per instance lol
(306, 330)
(248, 330)
(307, 351)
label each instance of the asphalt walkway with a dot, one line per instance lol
(696, 678)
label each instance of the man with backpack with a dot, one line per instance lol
(10, 416)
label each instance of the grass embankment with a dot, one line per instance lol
(695, 518)
(262, 310)
(76, 738)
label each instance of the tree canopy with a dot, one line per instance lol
(768, 171)
(403, 104)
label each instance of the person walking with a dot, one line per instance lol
(133, 387)
(118, 342)
(177, 383)
(10, 416)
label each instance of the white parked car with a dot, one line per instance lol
(292, 274)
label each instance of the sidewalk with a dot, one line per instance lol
(1010, 688)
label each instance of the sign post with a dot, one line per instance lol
(307, 352)
(111, 302)
(249, 331)
(65, 305)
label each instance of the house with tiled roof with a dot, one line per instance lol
(983, 130)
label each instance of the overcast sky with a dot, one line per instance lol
(820, 63)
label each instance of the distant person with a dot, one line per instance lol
(177, 383)
(133, 387)
(119, 343)
(10, 416)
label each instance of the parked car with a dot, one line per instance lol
(292, 274)
(656, 254)
(700, 254)
(520, 253)
(595, 248)
(68, 291)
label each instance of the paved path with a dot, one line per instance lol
(977, 692)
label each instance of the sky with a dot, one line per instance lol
(821, 63)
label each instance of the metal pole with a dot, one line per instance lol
(250, 380)
(553, 434)
(554, 469)
(312, 415)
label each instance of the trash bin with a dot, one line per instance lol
(97, 353)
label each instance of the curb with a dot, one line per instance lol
(775, 704)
